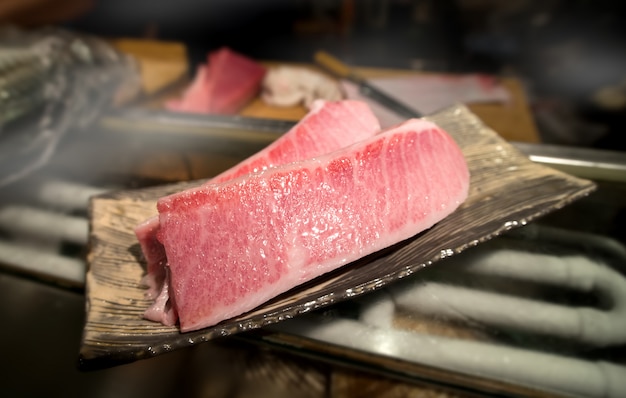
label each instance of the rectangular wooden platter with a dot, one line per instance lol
(507, 191)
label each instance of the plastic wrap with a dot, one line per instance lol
(53, 80)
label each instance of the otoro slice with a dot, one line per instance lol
(328, 126)
(233, 246)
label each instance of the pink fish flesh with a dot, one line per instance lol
(232, 246)
(328, 126)
(223, 85)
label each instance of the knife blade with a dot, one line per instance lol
(341, 70)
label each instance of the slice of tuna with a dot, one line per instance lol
(327, 127)
(221, 86)
(233, 246)
(234, 80)
(194, 98)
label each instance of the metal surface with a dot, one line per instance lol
(237, 129)
(596, 164)
(591, 163)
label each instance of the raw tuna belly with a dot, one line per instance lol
(328, 126)
(195, 98)
(153, 253)
(235, 80)
(233, 246)
(223, 85)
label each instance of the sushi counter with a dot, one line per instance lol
(532, 306)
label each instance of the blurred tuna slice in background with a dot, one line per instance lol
(223, 85)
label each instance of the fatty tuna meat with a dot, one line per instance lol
(195, 98)
(224, 85)
(328, 126)
(232, 246)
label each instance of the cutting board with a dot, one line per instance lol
(162, 64)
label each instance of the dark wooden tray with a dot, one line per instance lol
(507, 191)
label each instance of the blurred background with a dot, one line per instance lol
(569, 54)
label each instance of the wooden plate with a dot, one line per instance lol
(507, 191)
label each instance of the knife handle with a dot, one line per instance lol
(335, 66)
